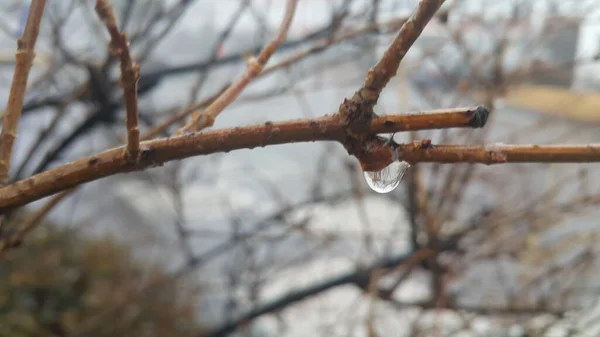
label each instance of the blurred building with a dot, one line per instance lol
(557, 50)
(539, 54)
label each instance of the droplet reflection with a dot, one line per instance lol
(388, 179)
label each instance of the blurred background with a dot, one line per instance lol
(288, 240)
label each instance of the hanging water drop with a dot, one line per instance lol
(388, 179)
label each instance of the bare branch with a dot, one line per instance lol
(159, 151)
(206, 118)
(130, 73)
(24, 60)
(489, 154)
(386, 68)
(359, 110)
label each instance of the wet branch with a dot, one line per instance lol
(159, 151)
(358, 111)
(330, 128)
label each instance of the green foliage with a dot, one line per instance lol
(62, 284)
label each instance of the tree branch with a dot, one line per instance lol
(320, 46)
(359, 110)
(486, 309)
(206, 118)
(378, 77)
(130, 73)
(489, 154)
(24, 60)
(157, 152)
(329, 128)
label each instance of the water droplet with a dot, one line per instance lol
(388, 179)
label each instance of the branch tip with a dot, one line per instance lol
(480, 117)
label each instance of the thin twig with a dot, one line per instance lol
(492, 310)
(130, 73)
(206, 118)
(24, 60)
(386, 68)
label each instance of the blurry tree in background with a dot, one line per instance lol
(288, 240)
(63, 284)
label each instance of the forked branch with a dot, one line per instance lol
(359, 110)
